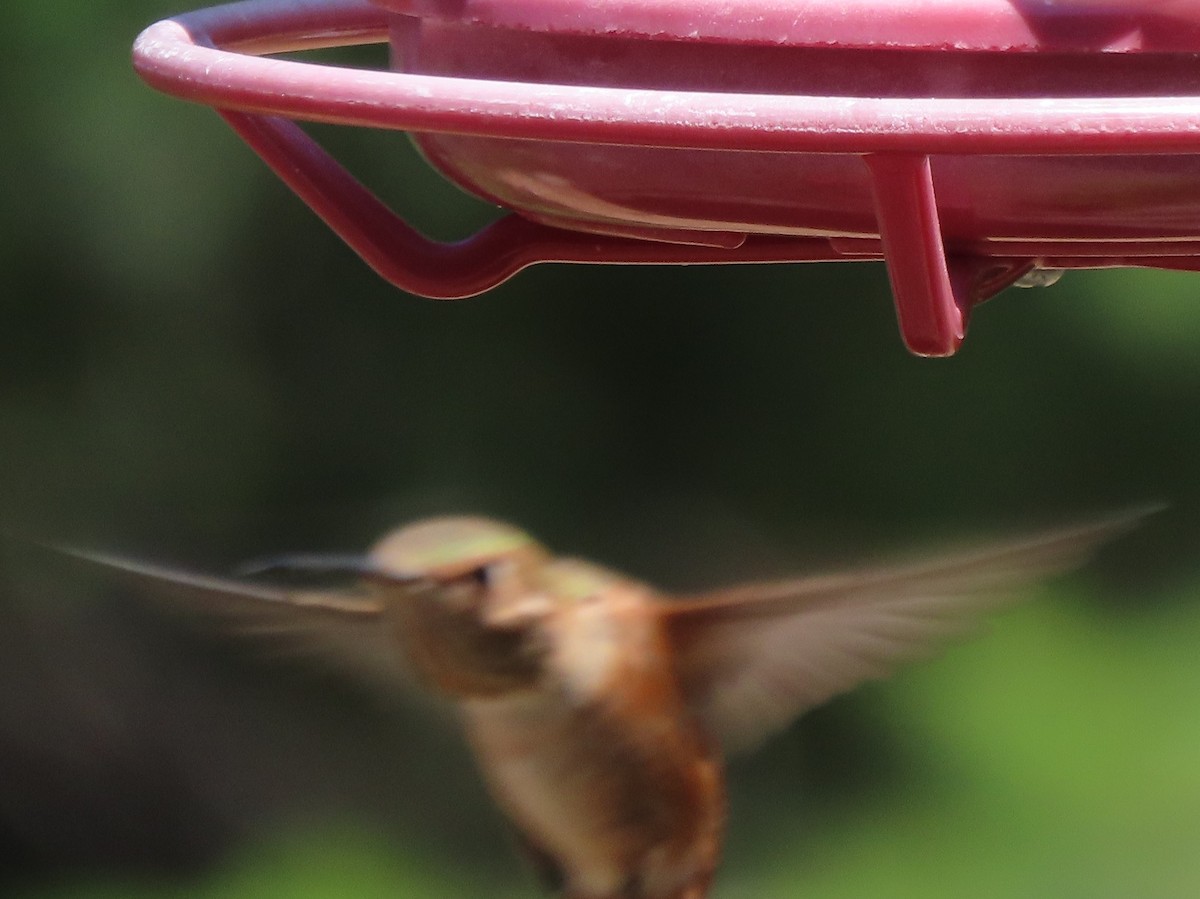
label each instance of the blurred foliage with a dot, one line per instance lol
(193, 368)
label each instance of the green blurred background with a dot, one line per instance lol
(193, 368)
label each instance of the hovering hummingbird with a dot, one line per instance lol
(600, 709)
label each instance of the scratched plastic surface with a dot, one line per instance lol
(1007, 25)
(981, 197)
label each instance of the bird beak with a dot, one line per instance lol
(326, 564)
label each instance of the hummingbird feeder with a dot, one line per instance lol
(970, 144)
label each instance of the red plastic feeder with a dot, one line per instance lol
(970, 144)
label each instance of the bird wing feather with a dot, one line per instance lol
(751, 659)
(343, 630)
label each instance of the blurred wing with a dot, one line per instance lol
(752, 659)
(342, 631)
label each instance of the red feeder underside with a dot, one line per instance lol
(965, 143)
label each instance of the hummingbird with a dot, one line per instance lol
(600, 710)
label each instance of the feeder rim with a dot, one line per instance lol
(214, 56)
(1024, 26)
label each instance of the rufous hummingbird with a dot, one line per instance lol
(598, 708)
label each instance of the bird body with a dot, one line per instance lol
(599, 710)
(576, 719)
(622, 799)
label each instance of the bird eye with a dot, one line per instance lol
(481, 576)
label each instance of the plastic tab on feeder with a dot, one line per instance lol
(970, 144)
